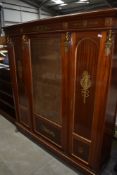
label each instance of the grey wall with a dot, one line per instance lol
(44, 14)
(16, 11)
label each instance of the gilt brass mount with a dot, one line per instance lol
(85, 83)
(67, 41)
(108, 43)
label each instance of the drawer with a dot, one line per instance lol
(47, 130)
(80, 150)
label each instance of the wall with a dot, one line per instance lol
(14, 11)
(44, 14)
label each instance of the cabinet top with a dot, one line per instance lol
(99, 19)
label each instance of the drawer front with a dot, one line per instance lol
(47, 130)
(80, 150)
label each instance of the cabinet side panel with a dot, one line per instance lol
(11, 54)
(111, 105)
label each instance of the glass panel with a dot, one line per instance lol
(46, 73)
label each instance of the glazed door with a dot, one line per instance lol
(48, 88)
(87, 71)
(22, 61)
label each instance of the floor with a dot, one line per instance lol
(20, 156)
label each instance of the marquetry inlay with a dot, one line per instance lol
(65, 25)
(48, 131)
(84, 23)
(40, 28)
(108, 22)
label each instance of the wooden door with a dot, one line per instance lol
(22, 64)
(89, 72)
(48, 78)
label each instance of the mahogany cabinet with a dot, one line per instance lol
(65, 85)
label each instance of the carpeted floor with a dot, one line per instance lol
(20, 156)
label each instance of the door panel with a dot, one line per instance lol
(51, 132)
(86, 68)
(47, 78)
(80, 150)
(86, 47)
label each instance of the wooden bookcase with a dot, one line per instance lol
(65, 85)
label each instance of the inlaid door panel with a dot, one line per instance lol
(86, 47)
(87, 51)
(47, 81)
